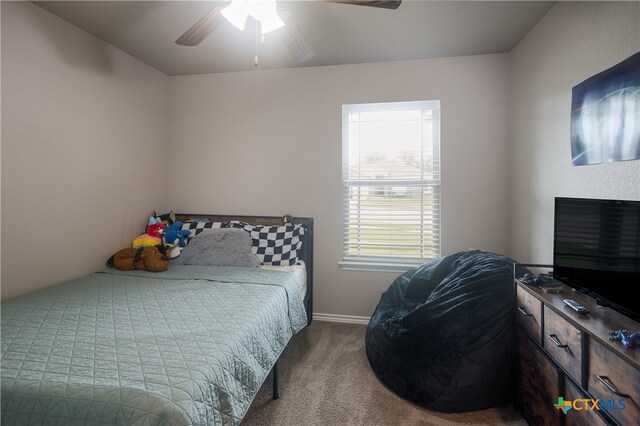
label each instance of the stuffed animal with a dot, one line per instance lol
(173, 238)
(153, 235)
(153, 259)
(155, 227)
(175, 234)
(123, 259)
(173, 250)
(168, 218)
(145, 240)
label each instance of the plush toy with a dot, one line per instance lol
(123, 260)
(153, 235)
(168, 218)
(145, 240)
(173, 250)
(173, 238)
(175, 235)
(155, 227)
(153, 259)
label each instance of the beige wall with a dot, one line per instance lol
(269, 142)
(86, 151)
(571, 43)
(85, 146)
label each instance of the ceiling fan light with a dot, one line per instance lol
(265, 12)
(237, 13)
(271, 22)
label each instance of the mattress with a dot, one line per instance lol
(299, 271)
(189, 346)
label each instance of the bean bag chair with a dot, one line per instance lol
(443, 334)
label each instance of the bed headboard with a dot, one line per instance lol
(307, 241)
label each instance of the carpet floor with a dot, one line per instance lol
(325, 379)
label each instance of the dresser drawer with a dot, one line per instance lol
(539, 384)
(529, 313)
(563, 342)
(615, 383)
(582, 414)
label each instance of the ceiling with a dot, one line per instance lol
(340, 33)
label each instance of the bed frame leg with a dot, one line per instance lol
(274, 371)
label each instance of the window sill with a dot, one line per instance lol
(368, 266)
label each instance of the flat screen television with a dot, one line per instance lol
(596, 250)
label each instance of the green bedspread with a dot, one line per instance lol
(190, 346)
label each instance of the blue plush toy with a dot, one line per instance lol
(174, 236)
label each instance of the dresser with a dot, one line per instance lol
(567, 359)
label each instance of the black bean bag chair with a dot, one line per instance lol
(443, 336)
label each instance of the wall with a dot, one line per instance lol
(268, 142)
(571, 43)
(85, 149)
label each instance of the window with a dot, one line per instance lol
(390, 185)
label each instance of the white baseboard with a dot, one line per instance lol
(345, 319)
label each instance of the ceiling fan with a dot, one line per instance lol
(236, 12)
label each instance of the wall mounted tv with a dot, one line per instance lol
(596, 250)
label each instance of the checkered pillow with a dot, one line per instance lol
(274, 245)
(197, 226)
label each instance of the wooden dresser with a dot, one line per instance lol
(568, 355)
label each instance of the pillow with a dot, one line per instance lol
(219, 247)
(274, 245)
(196, 226)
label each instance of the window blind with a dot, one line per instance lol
(391, 182)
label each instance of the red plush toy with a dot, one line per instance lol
(153, 236)
(155, 227)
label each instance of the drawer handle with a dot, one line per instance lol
(524, 312)
(607, 383)
(556, 341)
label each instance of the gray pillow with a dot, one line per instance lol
(219, 247)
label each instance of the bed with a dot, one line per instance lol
(189, 346)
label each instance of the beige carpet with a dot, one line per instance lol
(325, 379)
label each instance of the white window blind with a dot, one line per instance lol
(391, 184)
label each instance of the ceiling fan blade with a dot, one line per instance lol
(385, 4)
(293, 38)
(205, 26)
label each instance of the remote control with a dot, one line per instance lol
(576, 306)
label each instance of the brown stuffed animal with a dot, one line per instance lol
(153, 259)
(123, 260)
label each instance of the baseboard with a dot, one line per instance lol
(345, 319)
